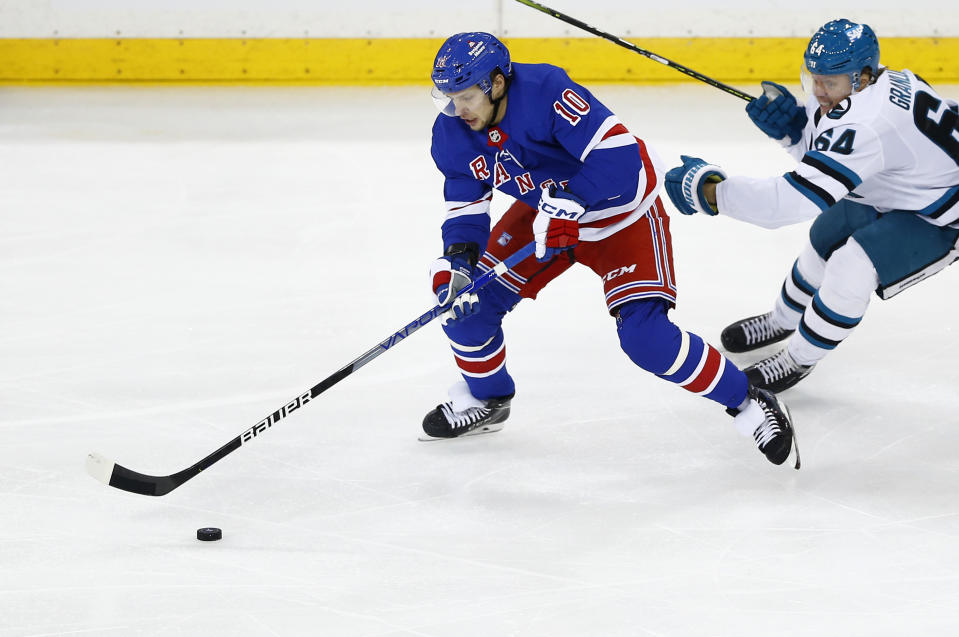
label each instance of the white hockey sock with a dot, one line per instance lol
(747, 420)
(838, 306)
(799, 287)
(461, 397)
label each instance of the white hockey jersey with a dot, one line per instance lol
(894, 146)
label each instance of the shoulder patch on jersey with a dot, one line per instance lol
(839, 109)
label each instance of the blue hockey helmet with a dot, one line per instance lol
(466, 59)
(843, 47)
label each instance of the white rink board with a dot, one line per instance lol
(428, 18)
(176, 263)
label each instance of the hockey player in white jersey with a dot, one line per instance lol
(878, 154)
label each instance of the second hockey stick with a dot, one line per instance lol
(115, 475)
(632, 47)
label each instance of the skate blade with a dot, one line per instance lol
(485, 429)
(794, 451)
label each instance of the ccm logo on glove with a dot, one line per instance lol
(556, 226)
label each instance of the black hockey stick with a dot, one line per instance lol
(632, 47)
(115, 475)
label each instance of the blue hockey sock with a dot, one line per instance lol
(479, 346)
(483, 367)
(657, 345)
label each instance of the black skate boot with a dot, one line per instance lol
(752, 333)
(443, 422)
(777, 373)
(767, 421)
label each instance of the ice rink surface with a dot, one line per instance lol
(177, 263)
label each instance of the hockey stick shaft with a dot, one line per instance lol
(125, 479)
(632, 47)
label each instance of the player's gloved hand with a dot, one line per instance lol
(684, 185)
(451, 273)
(556, 226)
(777, 113)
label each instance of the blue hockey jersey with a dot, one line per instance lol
(554, 131)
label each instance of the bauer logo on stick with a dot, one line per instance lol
(275, 417)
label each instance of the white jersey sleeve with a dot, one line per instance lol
(848, 155)
(768, 202)
(894, 146)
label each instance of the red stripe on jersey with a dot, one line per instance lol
(475, 367)
(472, 203)
(618, 129)
(648, 168)
(708, 373)
(656, 210)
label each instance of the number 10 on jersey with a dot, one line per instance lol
(572, 107)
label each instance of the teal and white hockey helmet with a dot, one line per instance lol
(842, 47)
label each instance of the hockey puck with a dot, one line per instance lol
(209, 534)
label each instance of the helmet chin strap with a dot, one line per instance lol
(496, 102)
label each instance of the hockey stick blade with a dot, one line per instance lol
(112, 474)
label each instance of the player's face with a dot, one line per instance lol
(829, 90)
(473, 107)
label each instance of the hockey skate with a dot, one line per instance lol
(465, 415)
(767, 421)
(752, 333)
(777, 373)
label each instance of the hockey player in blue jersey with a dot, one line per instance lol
(586, 191)
(878, 154)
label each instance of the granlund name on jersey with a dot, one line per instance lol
(894, 146)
